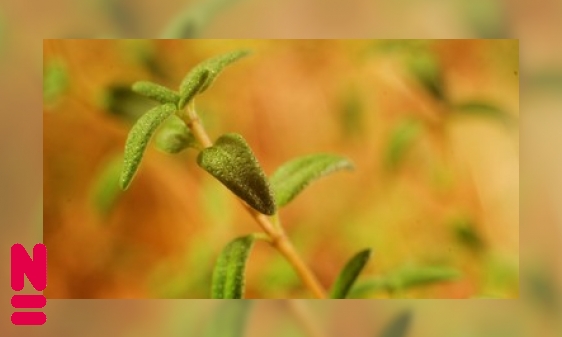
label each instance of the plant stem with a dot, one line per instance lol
(275, 232)
(194, 123)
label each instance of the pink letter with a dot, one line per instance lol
(35, 269)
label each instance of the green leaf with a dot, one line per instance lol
(228, 274)
(174, 136)
(233, 317)
(401, 140)
(292, 177)
(191, 85)
(156, 92)
(399, 326)
(349, 274)
(204, 74)
(106, 191)
(233, 163)
(484, 109)
(138, 139)
(425, 67)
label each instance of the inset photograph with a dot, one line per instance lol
(278, 169)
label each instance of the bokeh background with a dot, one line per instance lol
(432, 127)
(534, 23)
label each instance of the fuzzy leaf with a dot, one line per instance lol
(228, 274)
(138, 139)
(233, 318)
(399, 326)
(204, 74)
(233, 163)
(174, 136)
(349, 274)
(484, 109)
(401, 140)
(156, 92)
(292, 177)
(191, 85)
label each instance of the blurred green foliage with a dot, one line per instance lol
(123, 16)
(121, 101)
(466, 233)
(541, 288)
(233, 317)
(56, 81)
(484, 109)
(399, 325)
(425, 67)
(106, 190)
(352, 113)
(486, 18)
(191, 22)
(403, 278)
(401, 140)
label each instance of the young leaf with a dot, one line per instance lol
(401, 140)
(349, 274)
(138, 138)
(191, 85)
(399, 326)
(204, 74)
(228, 274)
(484, 109)
(233, 318)
(292, 177)
(174, 136)
(233, 163)
(156, 92)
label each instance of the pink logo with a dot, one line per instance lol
(36, 271)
